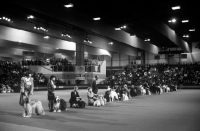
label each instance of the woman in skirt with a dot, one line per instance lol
(27, 87)
(51, 95)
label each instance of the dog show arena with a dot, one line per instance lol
(172, 111)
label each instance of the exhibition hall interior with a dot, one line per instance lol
(130, 65)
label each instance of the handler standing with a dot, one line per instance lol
(51, 95)
(27, 87)
(94, 85)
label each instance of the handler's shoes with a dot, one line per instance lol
(28, 116)
(59, 111)
(24, 115)
(54, 111)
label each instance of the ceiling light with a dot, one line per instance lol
(191, 29)
(97, 18)
(6, 19)
(169, 21)
(185, 21)
(66, 35)
(46, 37)
(117, 29)
(69, 5)
(186, 36)
(176, 7)
(111, 43)
(173, 20)
(30, 17)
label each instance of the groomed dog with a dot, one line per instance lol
(81, 104)
(124, 97)
(113, 95)
(35, 107)
(102, 100)
(143, 91)
(97, 102)
(148, 92)
(59, 104)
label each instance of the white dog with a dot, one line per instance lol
(102, 100)
(35, 107)
(124, 97)
(166, 88)
(57, 104)
(113, 95)
(143, 91)
(97, 102)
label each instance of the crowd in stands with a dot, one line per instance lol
(53, 61)
(62, 64)
(11, 73)
(41, 80)
(179, 74)
(91, 62)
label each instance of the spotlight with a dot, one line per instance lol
(69, 5)
(176, 7)
(111, 43)
(147, 39)
(117, 29)
(185, 21)
(186, 36)
(97, 18)
(191, 29)
(46, 37)
(173, 20)
(30, 17)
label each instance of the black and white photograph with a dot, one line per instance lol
(83, 65)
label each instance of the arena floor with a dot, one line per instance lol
(171, 111)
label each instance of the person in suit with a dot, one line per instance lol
(112, 82)
(75, 97)
(27, 87)
(51, 94)
(94, 85)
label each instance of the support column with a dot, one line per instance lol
(119, 59)
(79, 54)
(142, 57)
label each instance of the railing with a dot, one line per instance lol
(66, 68)
(71, 68)
(92, 68)
(62, 68)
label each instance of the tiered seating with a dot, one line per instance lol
(11, 73)
(159, 74)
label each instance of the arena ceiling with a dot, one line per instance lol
(131, 14)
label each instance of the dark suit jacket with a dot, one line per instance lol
(73, 97)
(94, 85)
